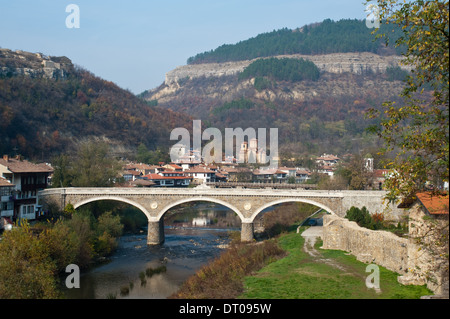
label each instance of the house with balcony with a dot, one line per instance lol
(271, 175)
(6, 199)
(201, 174)
(27, 179)
(168, 179)
(302, 175)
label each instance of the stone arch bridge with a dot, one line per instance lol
(246, 203)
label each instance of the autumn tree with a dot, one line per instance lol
(417, 129)
(26, 269)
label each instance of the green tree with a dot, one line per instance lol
(418, 129)
(360, 216)
(62, 175)
(109, 223)
(108, 229)
(62, 244)
(81, 225)
(94, 166)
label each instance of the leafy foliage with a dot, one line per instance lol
(363, 218)
(26, 268)
(418, 128)
(91, 166)
(32, 258)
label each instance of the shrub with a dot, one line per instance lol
(360, 216)
(62, 244)
(364, 219)
(222, 278)
(26, 269)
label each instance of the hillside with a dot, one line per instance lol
(313, 83)
(47, 105)
(313, 116)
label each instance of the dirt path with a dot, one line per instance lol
(310, 236)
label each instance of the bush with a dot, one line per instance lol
(62, 244)
(363, 218)
(222, 278)
(31, 259)
(26, 269)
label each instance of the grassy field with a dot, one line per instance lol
(302, 276)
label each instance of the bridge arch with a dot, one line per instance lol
(290, 200)
(114, 198)
(200, 199)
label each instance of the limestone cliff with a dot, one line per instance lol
(337, 63)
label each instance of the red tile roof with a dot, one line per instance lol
(5, 183)
(199, 170)
(380, 172)
(159, 177)
(23, 166)
(434, 204)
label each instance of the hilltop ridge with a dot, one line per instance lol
(34, 65)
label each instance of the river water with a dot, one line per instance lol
(192, 239)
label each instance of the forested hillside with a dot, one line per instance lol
(292, 70)
(42, 117)
(320, 38)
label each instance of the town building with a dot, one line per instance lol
(28, 178)
(428, 243)
(6, 200)
(302, 175)
(201, 175)
(168, 179)
(273, 175)
(251, 153)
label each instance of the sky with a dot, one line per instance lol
(135, 43)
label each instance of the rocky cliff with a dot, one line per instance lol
(215, 80)
(33, 65)
(333, 63)
(337, 63)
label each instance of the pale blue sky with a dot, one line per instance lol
(134, 43)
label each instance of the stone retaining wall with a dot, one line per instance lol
(380, 247)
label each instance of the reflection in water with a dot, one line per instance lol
(186, 249)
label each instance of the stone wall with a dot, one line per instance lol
(379, 247)
(374, 203)
(417, 259)
(427, 252)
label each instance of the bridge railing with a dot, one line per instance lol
(269, 185)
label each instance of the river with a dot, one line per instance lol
(192, 238)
